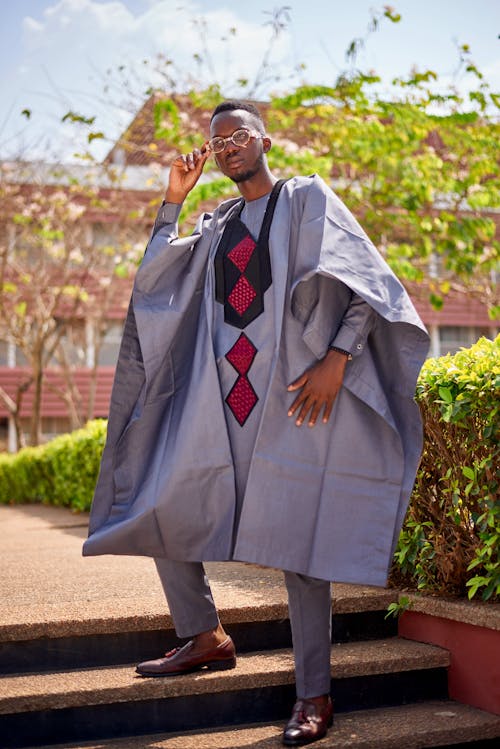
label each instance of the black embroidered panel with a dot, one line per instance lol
(241, 275)
(243, 267)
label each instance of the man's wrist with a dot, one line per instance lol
(339, 350)
(175, 198)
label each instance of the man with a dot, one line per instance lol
(276, 312)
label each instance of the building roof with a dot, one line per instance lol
(53, 403)
(139, 144)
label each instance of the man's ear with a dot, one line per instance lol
(266, 144)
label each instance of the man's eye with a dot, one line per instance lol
(241, 136)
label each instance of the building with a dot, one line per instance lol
(123, 194)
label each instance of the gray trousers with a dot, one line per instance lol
(193, 611)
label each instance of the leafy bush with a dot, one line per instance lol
(63, 472)
(449, 541)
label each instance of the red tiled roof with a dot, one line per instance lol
(52, 403)
(107, 205)
(140, 143)
(458, 309)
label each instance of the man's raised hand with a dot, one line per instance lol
(185, 172)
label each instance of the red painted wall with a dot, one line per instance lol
(474, 674)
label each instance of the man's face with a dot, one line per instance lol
(239, 163)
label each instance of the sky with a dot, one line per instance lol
(55, 54)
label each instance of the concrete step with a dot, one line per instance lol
(243, 592)
(427, 724)
(103, 702)
(63, 611)
(51, 653)
(48, 590)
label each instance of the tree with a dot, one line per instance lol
(53, 275)
(425, 185)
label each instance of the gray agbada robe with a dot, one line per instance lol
(327, 501)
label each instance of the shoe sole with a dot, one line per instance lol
(211, 666)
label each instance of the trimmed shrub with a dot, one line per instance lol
(63, 472)
(449, 541)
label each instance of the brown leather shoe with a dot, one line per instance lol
(309, 722)
(183, 661)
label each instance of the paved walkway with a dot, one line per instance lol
(45, 581)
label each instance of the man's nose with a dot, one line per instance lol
(231, 147)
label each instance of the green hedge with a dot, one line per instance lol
(449, 542)
(63, 472)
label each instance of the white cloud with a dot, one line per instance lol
(108, 33)
(69, 48)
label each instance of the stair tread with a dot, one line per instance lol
(262, 597)
(51, 591)
(426, 724)
(30, 692)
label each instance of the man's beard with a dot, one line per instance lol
(244, 176)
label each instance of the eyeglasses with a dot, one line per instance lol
(240, 137)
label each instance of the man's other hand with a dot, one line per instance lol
(318, 387)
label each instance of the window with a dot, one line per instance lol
(21, 360)
(454, 337)
(53, 426)
(4, 435)
(4, 354)
(73, 344)
(11, 356)
(108, 353)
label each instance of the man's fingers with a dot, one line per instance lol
(180, 162)
(306, 406)
(315, 413)
(328, 410)
(296, 384)
(303, 402)
(297, 402)
(190, 161)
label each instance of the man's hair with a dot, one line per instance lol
(233, 104)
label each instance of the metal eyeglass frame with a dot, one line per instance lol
(219, 138)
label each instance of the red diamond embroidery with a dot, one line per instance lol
(241, 400)
(242, 354)
(241, 254)
(242, 295)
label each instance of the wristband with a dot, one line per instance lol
(341, 351)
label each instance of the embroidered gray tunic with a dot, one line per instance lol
(327, 501)
(260, 332)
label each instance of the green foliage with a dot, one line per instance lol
(397, 608)
(420, 173)
(205, 192)
(63, 472)
(77, 118)
(167, 119)
(450, 539)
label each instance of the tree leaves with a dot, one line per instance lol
(79, 118)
